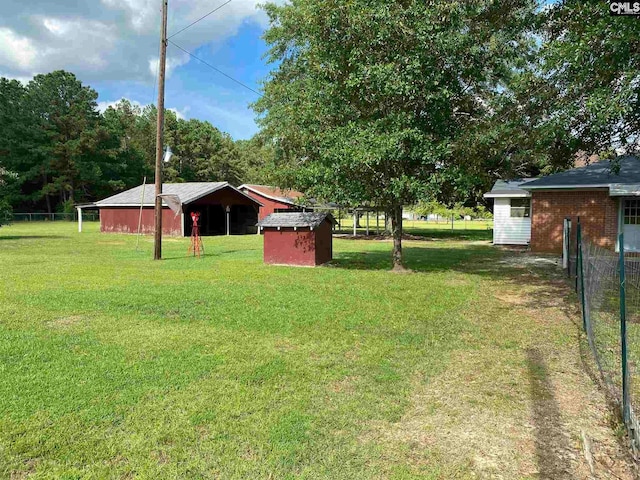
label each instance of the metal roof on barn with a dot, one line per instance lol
(274, 193)
(187, 192)
(296, 220)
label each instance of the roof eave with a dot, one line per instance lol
(507, 195)
(563, 187)
(265, 195)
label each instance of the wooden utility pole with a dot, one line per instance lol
(157, 244)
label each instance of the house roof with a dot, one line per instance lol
(595, 175)
(296, 219)
(274, 193)
(509, 189)
(187, 192)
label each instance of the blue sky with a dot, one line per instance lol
(112, 45)
(196, 91)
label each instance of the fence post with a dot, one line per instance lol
(626, 415)
(577, 250)
(580, 277)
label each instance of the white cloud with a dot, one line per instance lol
(171, 65)
(111, 39)
(16, 51)
(102, 106)
(22, 79)
(181, 113)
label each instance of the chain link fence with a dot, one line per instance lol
(55, 217)
(608, 288)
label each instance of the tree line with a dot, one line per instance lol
(58, 150)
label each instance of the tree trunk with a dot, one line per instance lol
(396, 232)
(387, 221)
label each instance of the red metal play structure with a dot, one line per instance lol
(196, 247)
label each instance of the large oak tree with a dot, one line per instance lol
(369, 99)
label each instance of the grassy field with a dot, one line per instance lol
(481, 227)
(115, 366)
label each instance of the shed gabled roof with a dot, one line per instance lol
(274, 193)
(595, 175)
(187, 192)
(296, 219)
(509, 189)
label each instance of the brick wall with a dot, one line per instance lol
(597, 211)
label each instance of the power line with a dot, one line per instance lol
(201, 18)
(214, 68)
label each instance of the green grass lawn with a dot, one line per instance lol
(115, 366)
(460, 228)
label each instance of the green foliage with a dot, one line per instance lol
(5, 212)
(456, 210)
(591, 59)
(7, 181)
(578, 95)
(65, 152)
(370, 100)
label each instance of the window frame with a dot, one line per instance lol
(525, 208)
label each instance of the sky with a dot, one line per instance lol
(112, 46)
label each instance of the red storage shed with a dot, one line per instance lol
(223, 209)
(298, 238)
(273, 199)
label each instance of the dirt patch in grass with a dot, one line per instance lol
(523, 404)
(66, 322)
(344, 385)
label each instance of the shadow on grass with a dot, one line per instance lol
(419, 259)
(31, 237)
(422, 234)
(550, 437)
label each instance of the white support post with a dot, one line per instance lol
(228, 212)
(367, 223)
(79, 209)
(355, 222)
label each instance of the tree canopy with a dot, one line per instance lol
(371, 100)
(62, 151)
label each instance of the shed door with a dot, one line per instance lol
(631, 222)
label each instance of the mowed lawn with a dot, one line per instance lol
(115, 366)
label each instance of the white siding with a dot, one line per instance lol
(508, 230)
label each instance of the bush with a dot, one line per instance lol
(6, 212)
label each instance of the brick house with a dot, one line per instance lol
(607, 202)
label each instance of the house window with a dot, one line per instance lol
(520, 207)
(632, 212)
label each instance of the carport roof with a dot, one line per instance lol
(295, 219)
(187, 192)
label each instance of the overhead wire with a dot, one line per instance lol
(201, 18)
(214, 68)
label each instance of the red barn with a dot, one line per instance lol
(273, 199)
(223, 209)
(298, 238)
